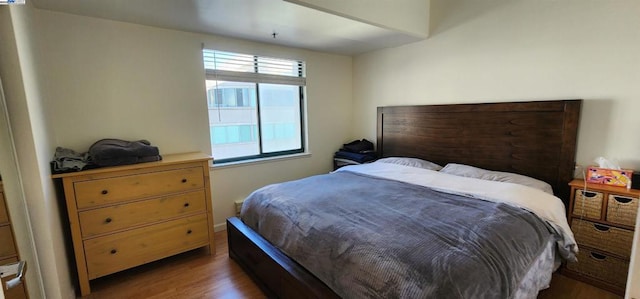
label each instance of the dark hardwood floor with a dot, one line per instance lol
(197, 275)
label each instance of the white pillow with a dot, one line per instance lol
(507, 177)
(413, 162)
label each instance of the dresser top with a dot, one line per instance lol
(579, 183)
(166, 160)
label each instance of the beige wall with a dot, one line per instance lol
(493, 51)
(80, 79)
(121, 80)
(519, 50)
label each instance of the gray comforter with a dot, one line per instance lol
(367, 237)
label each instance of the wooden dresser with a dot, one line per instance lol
(124, 216)
(602, 219)
(8, 248)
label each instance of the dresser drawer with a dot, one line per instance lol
(112, 218)
(117, 189)
(17, 292)
(588, 204)
(605, 268)
(606, 238)
(4, 215)
(8, 260)
(6, 241)
(109, 254)
(622, 209)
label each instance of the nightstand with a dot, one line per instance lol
(602, 218)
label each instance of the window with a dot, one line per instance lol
(255, 105)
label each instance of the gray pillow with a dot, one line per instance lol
(413, 162)
(507, 177)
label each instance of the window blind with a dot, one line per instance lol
(227, 66)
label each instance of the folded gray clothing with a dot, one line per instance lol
(66, 159)
(126, 160)
(107, 149)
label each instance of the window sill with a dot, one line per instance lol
(259, 161)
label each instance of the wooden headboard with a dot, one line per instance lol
(537, 139)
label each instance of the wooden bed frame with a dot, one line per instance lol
(537, 139)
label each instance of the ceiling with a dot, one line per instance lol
(257, 20)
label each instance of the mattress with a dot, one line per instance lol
(367, 232)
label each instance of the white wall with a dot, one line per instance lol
(121, 80)
(31, 181)
(408, 16)
(506, 50)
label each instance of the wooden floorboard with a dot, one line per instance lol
(563, 287)
(195, 274)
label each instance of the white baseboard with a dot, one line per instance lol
(220, 227)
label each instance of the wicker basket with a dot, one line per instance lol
(608, 269)
(610, 239)
(588, 204)
(622, 209)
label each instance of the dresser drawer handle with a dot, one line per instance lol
(108, 220)
(184, 180)
(599, 257)
(113, 251)
(189, 232)
(622, 199)
(601, 228)
(186, 204)
(104, 192)
(588, 194)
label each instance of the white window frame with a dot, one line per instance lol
(218, 67)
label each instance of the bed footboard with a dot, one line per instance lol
(274, 272)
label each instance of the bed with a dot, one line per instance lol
(535, 139)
